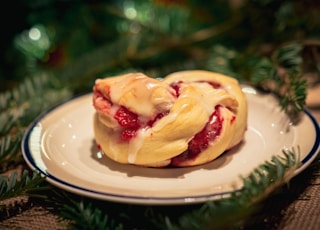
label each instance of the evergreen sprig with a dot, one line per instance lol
(15, 185)
(81, 212)
(86, 216)
(22, 104)
(107, 39)
(232, 212)
(31, 97)
(83, 216)
(9, 147)
(282, 75)
(293, 87)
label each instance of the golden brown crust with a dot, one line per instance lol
(187, 114)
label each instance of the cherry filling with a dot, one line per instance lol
(212, 129)
(130, 122)
(176, 86)
(126, 118)
(202, 139)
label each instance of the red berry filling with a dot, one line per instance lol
(128, 134)
(201, 140)
(129, 121)
(126, 118)
(233, 118)
(176, 86)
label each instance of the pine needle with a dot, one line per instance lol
(234, 212)
(24, 185)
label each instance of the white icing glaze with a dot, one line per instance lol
(207, 98)
(148, 97)
(137, 89)
(136, 143)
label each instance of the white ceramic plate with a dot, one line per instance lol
(60, 144)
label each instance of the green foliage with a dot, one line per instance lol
(14, 185)
(270, 44)
(293, 100)
(23, 103)
(81, 212)
(227, 213)
(233, 212)
(85, 216)
(9, 147)
(20, 106)
(282, 75)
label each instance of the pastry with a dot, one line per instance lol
(188, 118)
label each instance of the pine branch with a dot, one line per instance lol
(20, 106)
(157, 45)
(28, 88)
(81, 212)
(33, 96)
(27, 185)
(9, 147)
(281, 74)
(88, 217)
(235, 211)
(16, 191)
(293, 87)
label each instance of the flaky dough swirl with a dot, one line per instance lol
(185, 100)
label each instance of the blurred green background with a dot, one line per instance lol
(52, 50)
(78, 41)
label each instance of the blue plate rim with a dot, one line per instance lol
(130, 198)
